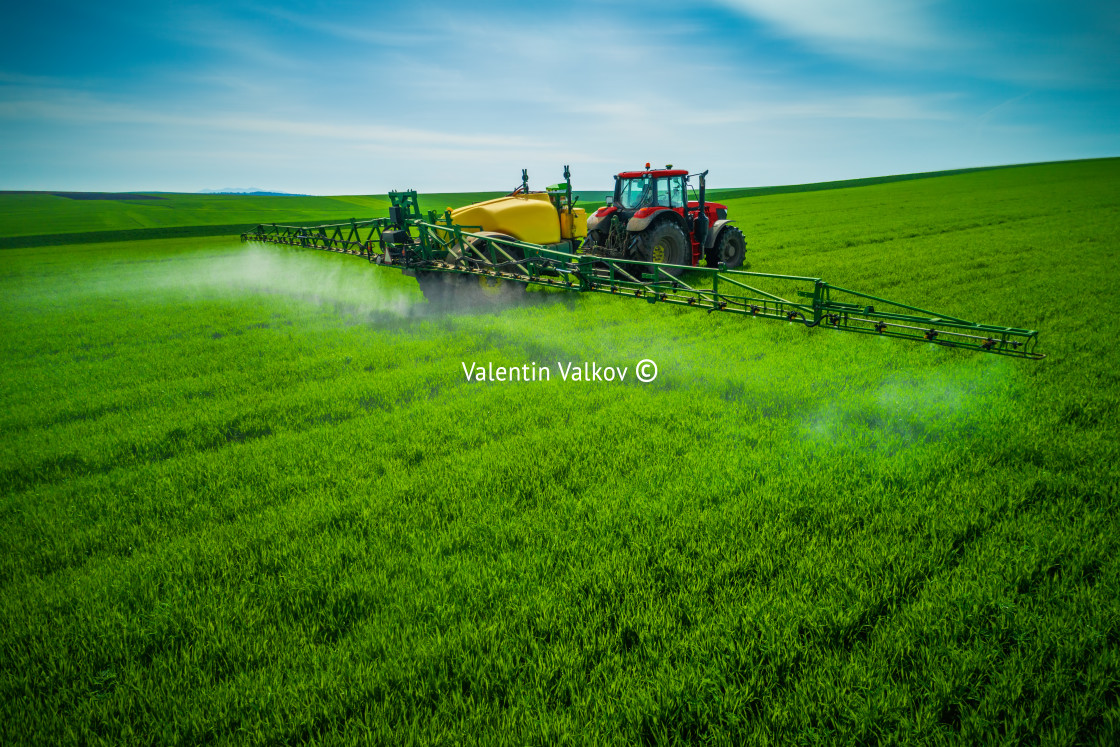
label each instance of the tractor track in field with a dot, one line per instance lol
(859, 631)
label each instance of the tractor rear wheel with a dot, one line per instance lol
(665, 243)
(730, 248)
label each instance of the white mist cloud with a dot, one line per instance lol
(351, 286)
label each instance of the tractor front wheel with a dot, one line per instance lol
(665, 243)
(594, 240)
(730, 248)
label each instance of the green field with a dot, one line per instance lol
(249, 496)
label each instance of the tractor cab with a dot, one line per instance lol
(661, 188)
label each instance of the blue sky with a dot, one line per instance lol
(338, 98)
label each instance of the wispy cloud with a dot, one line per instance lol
(369, 33)
(81, 108)
(832, 106)
(44, 81)
(1047, 44)
(874, 28)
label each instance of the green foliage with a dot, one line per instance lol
(248, 495)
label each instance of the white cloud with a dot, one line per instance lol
(367, 33)
(870, 28)
(830, 106)
(85, 109)
(1048, 45)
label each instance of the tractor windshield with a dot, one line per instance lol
(634, 193)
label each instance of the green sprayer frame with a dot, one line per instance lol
(418, 245)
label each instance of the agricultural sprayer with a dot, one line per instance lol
(646, 243)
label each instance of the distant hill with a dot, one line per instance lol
(248, 191)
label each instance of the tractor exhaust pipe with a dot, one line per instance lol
(700, 222)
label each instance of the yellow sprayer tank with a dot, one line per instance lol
(529, 217)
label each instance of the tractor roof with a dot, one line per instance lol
(653, 172)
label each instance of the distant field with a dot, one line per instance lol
(247, 496)
(31, 214)
(45, 219)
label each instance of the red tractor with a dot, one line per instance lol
(650, 219)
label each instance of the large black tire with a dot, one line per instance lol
(451, 291)
(730, 248)
(498, 291)
(664, 242)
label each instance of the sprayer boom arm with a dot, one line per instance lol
(413, 244)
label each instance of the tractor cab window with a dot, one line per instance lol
(670, 191)
(635, 193)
